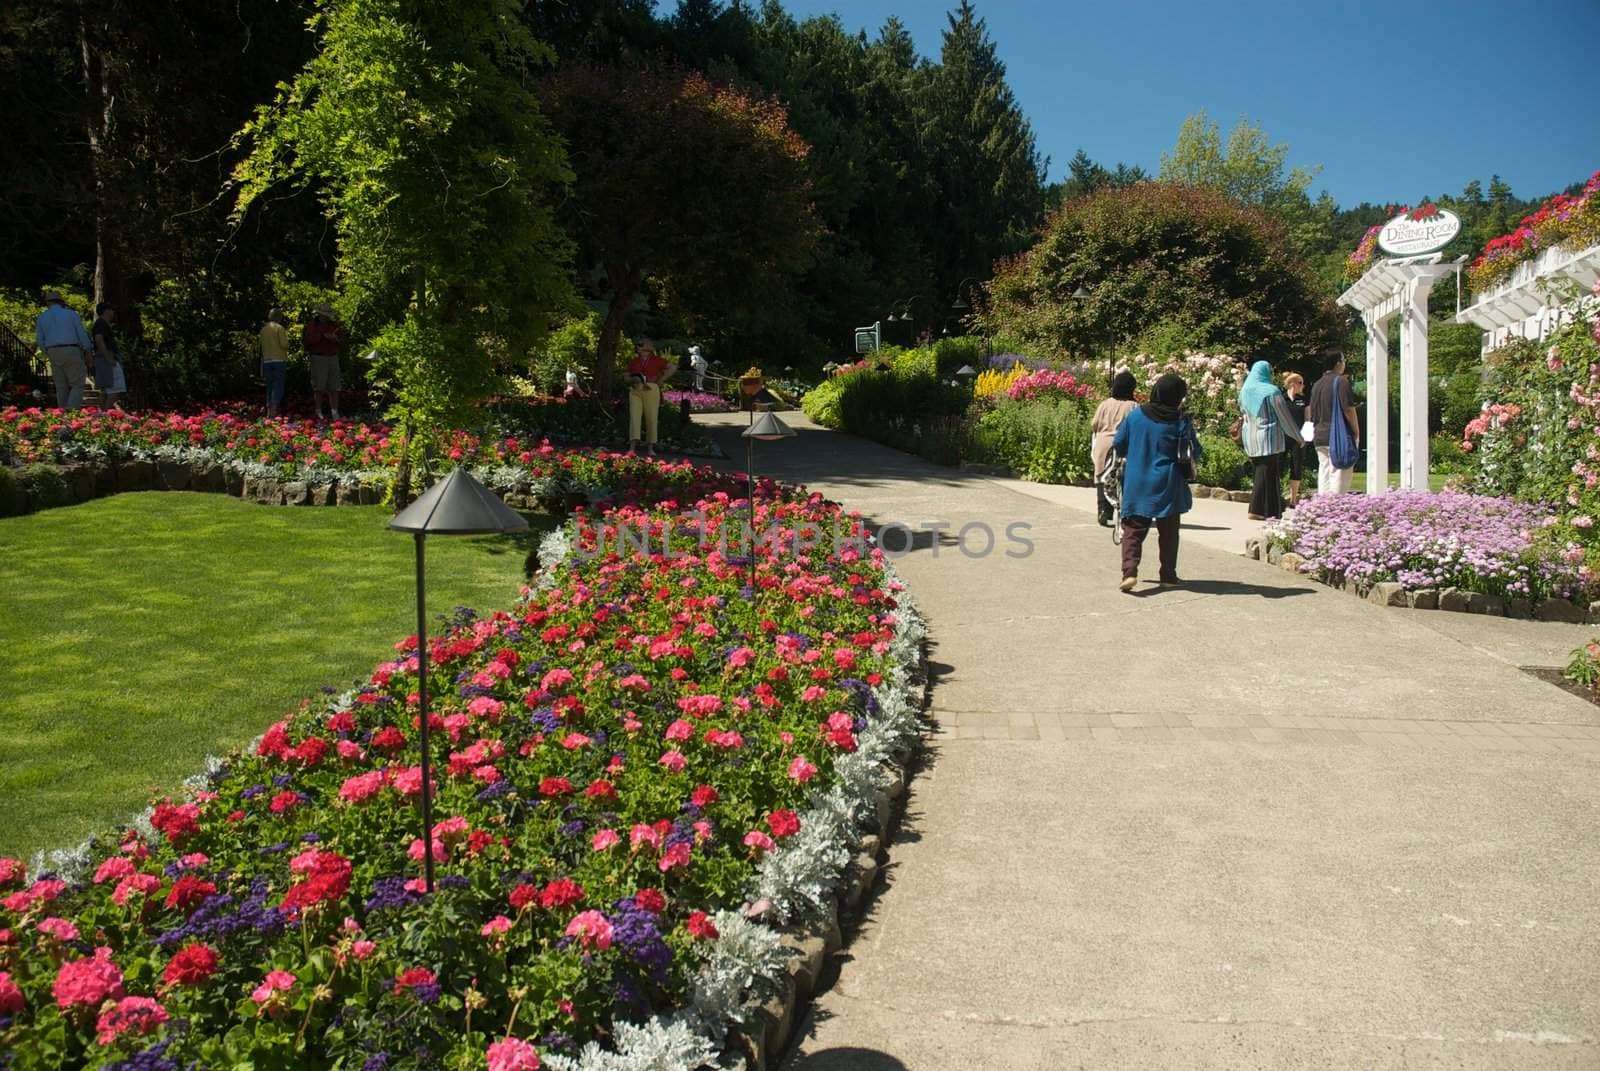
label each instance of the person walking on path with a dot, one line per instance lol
(109, 374)
(1266, 430)
(1107, 418)
(59, 334)
(1332, 394)
(646, 372)
(1161, 448)
(322, 337)
(274, 359)
(1294, 392)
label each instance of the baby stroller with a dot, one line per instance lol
(1111, 486)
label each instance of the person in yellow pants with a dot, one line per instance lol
(645, 373)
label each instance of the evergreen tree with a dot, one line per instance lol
(981, 153)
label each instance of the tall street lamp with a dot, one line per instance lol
(768, 428)
(456, 505)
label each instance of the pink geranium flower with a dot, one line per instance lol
(591, 929)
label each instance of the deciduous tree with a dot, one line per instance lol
(699, 189)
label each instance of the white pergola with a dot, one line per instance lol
(1530, 304)
(1390, 288)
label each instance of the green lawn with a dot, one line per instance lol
(1436, 481)
(144, 631)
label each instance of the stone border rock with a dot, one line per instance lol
(1389, 593)
(71, 484)
(1221, 493)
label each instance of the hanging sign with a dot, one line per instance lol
(1420, 231)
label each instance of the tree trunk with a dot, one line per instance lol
(111, 283)
(625, 286)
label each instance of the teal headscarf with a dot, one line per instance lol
(1258, 387)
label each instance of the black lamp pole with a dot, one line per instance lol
(768, 429)
(422, 701)
(456, 505)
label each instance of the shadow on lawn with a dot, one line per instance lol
(525, 543)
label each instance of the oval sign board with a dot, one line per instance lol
(1423, 231)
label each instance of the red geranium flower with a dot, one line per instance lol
(193, 965)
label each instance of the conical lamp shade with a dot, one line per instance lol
(458, 505)
(767, 428)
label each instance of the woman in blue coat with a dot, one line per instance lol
(1155, 487)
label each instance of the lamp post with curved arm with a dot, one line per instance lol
(906, 316)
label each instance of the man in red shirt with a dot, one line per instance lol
(645, 374)
(322, 336)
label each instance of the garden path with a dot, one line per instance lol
(1245, 823)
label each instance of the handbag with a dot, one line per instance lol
(1185, 452)
(1308, 432)
(1342, 450)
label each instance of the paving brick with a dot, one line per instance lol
(1020, 717)
(1024, 732)
(1105, 734)
(1265, 736)
(1102, 721)
(1148, 734)
(1175, 721)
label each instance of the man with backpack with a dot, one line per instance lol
(1337, 428)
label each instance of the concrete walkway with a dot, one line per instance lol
(1246, 823)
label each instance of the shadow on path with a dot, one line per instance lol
(1226, 587)
(848, 1059)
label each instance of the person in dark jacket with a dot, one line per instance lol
(1294, 392)
(1155, 486)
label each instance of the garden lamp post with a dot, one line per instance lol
(768, 428)
(456, 505)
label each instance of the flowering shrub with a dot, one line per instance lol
(1048, 383)
(1427, 539)
(1538, 438)
(1214, 380)
(644, 743)
(1569, 220)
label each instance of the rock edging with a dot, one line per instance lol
(1390, 593)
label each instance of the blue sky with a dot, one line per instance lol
(1394, 101)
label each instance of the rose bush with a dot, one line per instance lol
(642, 745)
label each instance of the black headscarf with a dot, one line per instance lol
(1166, 399)
(1122, 386)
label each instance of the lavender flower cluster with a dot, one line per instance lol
(1430, 539)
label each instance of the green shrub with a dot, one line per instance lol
(11, 499)
(1045, 441)
(45, 485)
(821, 402)
(571, 345)
(1224, 463)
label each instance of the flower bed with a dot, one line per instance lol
(1430, 540)
(700, 401)
(640, 747)
(1567, 220)
(349, 456)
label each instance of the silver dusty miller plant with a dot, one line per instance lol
(677, 1042)
(746, 961)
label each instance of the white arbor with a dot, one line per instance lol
(1531, 303)
(1390, 288)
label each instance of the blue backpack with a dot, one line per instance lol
(1342, 449)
